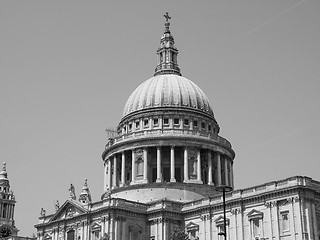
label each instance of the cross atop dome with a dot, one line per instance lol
(167, 52)
(167, 17)
(167, 23)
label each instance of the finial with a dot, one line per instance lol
(167, 17)
(86, 182)
(167, 23)
(4, 168)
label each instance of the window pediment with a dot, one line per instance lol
(220, 221)
(96, 227)
(192, 226)
(255, 214)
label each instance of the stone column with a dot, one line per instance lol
(198, 165)
(209, 168)
(114, 181)
(309, 219)
(275, 218)
(133, 167)
(145, 165)
(185, 165)
(297, 207)
(123, 169)
(292, 223)
(109, 174)
(314, 220)
(124, 233)
(165, 229)
(172, 165)
(231, 175)
(226, 175)
(105, 176)
(158, 164)
(218, 168)
(112, 226)
(116, 228)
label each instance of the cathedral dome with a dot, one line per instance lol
(168, 90)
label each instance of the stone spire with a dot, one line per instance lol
(167, 52)
(85, 195)
(4, 176)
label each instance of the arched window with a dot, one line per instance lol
(70, 235)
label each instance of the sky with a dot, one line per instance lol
(68, 67)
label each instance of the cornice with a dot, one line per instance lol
(168, 140)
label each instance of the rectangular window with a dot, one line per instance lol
(146, 123)
(166, 121)
(195, 123)
(209, 128)
(156, 121)
(256, 227)
(176, 121)
(285, 224)
(203, 125)
(137, 125)
(186, 122)
(130, 126)
(221, 231)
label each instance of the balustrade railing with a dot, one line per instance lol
(166, 132)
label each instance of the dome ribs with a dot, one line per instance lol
(167, 90)
(176, 93)
(158, 93)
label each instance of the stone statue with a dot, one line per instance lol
(107, 194)
(42, 212)
(72, 192)
(57, 205)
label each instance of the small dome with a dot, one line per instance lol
(168, 90)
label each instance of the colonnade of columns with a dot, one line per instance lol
(6, 210)
(120, 171)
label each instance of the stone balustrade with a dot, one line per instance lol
(168, 132)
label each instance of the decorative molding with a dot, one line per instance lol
(255, 214)
(204, 217)
(236, 211)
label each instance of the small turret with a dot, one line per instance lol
(167, 52)
(85, 195)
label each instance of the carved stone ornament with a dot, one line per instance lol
(271, 204)
(205, 217)
(235, 211)
(70, 212)
(107, 194)
(296, 199)
(139, 151)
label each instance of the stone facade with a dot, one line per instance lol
(286, 209)
(161, 170)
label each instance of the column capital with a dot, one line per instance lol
(158, 146)
(172, 146)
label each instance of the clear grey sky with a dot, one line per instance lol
(68, 67)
